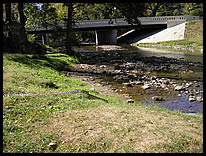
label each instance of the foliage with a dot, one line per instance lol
(152, 8)
(175, 9)
(131, 11)
(40, 16)
(49, 14)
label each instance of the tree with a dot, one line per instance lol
(130, 11)
(153, 7)
(22, 22)
(194, 9)
(8, 12)
(69, 29)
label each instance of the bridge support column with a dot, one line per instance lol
(106, 37)
(45, 39)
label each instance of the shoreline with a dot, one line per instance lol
(177, 47)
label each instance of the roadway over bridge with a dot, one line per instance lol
(106, 29)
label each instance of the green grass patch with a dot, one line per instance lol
(31, 73)
(28, 119)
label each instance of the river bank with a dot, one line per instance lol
(192, 42)
(77, 123)
(172, 47)
(142, 74)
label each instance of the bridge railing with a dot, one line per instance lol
(123, 22)
(163, 18)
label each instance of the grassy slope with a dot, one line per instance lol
(81, 124)
(193, 37)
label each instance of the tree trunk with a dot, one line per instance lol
(8, 12)
(69, 30)
(22, 21)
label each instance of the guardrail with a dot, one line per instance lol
(123, 22)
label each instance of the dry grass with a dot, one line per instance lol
(194, 30)
(110, 128)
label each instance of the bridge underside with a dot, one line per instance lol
(138, 34)
(107, 35)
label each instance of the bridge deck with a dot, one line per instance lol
(117, 23)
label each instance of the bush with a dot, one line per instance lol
(197, 12)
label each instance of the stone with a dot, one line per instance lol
(201, 50)
(187, 92)
(179, 88)
(197, 85)
(92, 89)
(102, 66)
(157, 98)
(153, 78)
(179, 95)
(127, 84)
(138, 83)
(146, 86)
(52, 145)
(192, 98)
(163, 86)
(188, 85)
(199, 99)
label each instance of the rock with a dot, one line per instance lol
(157, 98)
(192, 98)
(188, 85)
(52, 145)
(153, 78)
(179, 88)
(146, 86)
(201, 50)
(199, 99)
(92, 89)
(127, 84)
(179, 95)
(130, 101)
(102, 66)
(197, 92)
(139, 83)
(187, 92)
(163, 86)
(197, 85)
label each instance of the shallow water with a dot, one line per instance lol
(172, 101)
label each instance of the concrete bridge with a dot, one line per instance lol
(106, 29)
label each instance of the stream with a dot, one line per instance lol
(149, 76)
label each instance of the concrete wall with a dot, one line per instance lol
(171, 23)
(106, 37)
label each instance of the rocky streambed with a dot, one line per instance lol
(175, 83)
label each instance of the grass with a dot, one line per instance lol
(193, 38)
(79, 123)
